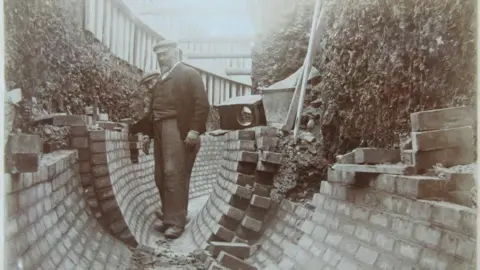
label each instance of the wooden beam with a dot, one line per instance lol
(238, 71)
(194, 55)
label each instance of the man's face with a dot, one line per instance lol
(165, 59)
(150, 84)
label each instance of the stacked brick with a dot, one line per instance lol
(207, 165)
(230, 197)
(236, 210)
(96, 173)
(441, 136)
(47, 224)
(267, 165)
(374, 216)
(134, 185)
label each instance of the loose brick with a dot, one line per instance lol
(448, 157)
(442, 118)
(238, 250)
(233, 262)
(243, 156)
(380, 168)
(265, 131)
(24, 144)
(98, 159)
(98, 147)
(259, 201)
(376, 155)
(441, 139)
(248, 135)
(102, 182)
(223, 233)
(252, 224)
(80, 131)
(334, 190)
(261, 190)
(98, 135)
(271, 157)
(344, 177)
(240, 145)
(267, 143)
(267, 167)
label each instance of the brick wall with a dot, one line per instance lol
(368, 228)
(92, 193)
(207, 165)
(48, 225)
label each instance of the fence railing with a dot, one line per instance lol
(119, 29)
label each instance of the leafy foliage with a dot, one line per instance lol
(63, 68)
(379, 62)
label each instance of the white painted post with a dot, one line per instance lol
(306, 71)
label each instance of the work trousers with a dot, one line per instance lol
(173, 167)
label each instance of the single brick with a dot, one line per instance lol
(271, 157)
(98, 147)
(84, 155)
(376, 155)
(79, 131)
(248, 135)
(98, 159)
(135, 145)
(238, 250)
(265, 131)
(448, 157)
(102, 182)
(442, 118)
(234, 213)
(267, 167)
(260, 201)
(418, 186)
(223, 233)
(380, 168)
(243, 156)
(441, 139)
(252, 224)
(233, 262)
(267, 143)
(98, 135)
(335, 190)
(99, 170)
(344, 177)
(366, 255)
(24, 144)
(261, 190)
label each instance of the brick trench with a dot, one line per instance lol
(83, 209)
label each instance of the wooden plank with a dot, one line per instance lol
(380, 168)
(442, 118)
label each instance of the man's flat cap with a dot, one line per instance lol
(149, 76)
(164, 45)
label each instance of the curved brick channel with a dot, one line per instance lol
(85, 209)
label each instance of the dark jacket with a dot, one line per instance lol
(191, 101)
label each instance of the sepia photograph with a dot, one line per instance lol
(239, 134)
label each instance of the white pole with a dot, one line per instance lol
(306, 69)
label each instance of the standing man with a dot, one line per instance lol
(179, 107)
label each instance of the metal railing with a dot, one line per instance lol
(119, 29)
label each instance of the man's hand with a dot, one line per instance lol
(192, 139)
